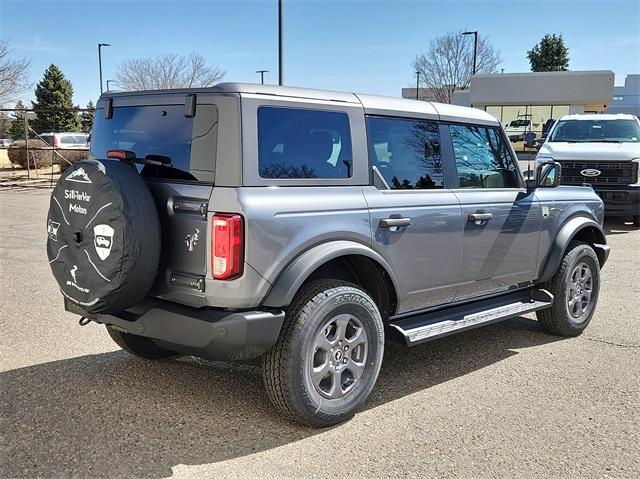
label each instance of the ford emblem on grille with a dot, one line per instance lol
(591, 172)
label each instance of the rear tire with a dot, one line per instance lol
(575, 288)
(138, 345)
(328, 356)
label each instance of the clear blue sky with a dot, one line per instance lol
(364, 46)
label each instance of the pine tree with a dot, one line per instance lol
(17, 124)
(86, 117)
(549, 55)
(54, 92)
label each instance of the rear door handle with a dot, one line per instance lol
(393, 222)
(473, 217)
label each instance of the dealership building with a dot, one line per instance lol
(532, 99)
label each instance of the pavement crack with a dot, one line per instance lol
(612, 343)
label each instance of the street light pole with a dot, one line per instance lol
(475, 47)
(280, 42)
(262, 72)
(100, 45)
(417, 84)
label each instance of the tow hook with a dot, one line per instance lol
(84, 321)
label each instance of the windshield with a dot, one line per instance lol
(596, 131)
(519, 123)
(150, 130)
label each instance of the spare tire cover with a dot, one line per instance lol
(104, 236)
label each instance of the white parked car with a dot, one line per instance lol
(67, 140)
(5, 142)
(601, 150)
(517, 128)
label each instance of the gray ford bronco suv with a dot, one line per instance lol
(308, 227)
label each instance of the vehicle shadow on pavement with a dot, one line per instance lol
(618, 226)
(114, 415)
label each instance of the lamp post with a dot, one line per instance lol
(280, 42)
(262, 72)
(107, 82)
(475, 47)
(100, 45)
(417, 84)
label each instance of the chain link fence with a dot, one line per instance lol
(30, 158)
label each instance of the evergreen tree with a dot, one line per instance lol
(86, 117)
(17, 124)
(54, 92)
(549, 55)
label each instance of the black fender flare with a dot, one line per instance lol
(296, 273)
(566, 234)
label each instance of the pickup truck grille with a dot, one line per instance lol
(612, 173)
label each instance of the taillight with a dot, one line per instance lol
(55, 141)
(227, 246)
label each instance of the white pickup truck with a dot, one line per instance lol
(601, 150)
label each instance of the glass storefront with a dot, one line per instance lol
(521, 120)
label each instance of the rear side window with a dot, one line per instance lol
(482, 158)
(406, 152)
(301, 143)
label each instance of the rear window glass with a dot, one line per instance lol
(149, 130)
(300, 143)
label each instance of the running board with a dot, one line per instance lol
(437, 324)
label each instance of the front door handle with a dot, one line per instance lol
(394, 222)
(474, 217)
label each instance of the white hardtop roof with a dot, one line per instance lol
(600, 116)
(373, 104)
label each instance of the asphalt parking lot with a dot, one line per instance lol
(507, 400)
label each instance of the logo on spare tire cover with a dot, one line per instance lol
(79, 176)
(102, 240)
(590, 172)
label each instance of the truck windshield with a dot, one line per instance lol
(149, 130)
(597, 131)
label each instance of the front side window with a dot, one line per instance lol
(301, 143)
(482, 158)
(406, 152)
(597, 131)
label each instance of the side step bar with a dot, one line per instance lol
(437, 324)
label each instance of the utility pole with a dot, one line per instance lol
(280, 42)
(475, 47)
(262, 72)
(417, 84)
(100, 45)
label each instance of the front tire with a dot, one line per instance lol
(575, 288)
(138, 345)
(328, 356)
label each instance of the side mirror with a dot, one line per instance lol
(548, 174)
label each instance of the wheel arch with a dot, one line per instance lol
(579, 229)
(346, 260)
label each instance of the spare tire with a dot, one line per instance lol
(104, 236)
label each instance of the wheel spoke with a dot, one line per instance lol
(320, 372)
(341, 327)
(357, 339)
(336, 385)
(356, 369)
(579, 308)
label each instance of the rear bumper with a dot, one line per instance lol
(206, 332)
(621, 201)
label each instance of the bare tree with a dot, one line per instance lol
(447, 64)
(14, 74)
(167, 71)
